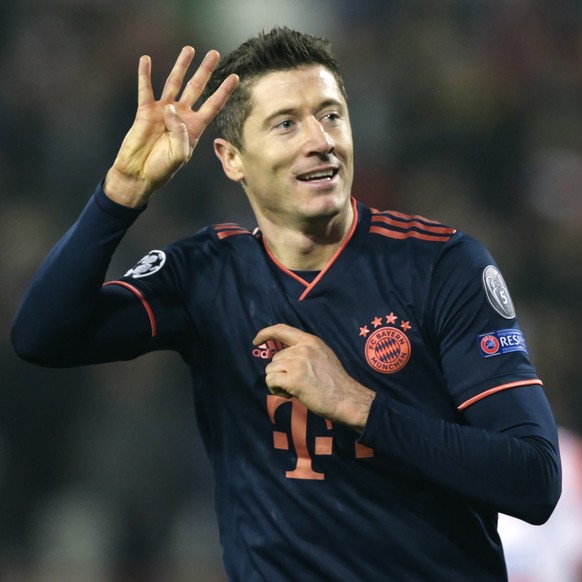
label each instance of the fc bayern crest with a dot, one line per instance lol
(497, 292)
(387, 349)
(147, 266)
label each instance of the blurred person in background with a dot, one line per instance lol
(360, 377)
(552, 551)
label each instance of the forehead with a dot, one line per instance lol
(294, 88)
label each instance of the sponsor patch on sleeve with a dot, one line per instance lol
(503, 341)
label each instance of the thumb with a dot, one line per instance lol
(290, 336)
(178, 131)
(171, 117)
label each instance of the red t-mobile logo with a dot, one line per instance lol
(298, 430)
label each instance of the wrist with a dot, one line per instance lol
(356, 409)
(126, 191)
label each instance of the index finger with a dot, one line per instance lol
(286, 334)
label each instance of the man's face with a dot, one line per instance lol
(296, 163)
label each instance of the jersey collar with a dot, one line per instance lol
(298, 287)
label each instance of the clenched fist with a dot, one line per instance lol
(307, 369)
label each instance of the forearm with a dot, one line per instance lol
(513, 469)
(58, 309)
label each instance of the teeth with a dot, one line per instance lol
(317, 176)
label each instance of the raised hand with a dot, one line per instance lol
(165, 131)
(308, 369)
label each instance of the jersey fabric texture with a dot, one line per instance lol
(405, 306)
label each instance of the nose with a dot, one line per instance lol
(317, 140)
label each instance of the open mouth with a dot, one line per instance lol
(318, 176)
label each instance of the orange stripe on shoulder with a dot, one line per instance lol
(404, 216)
(227, 233)
(467, 403)
(407, 234)
(229, 229)
(413, 222)
(400, 226)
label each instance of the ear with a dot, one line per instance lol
(230, 159)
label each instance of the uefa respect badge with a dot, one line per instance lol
(503, 341)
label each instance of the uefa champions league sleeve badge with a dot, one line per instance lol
(147, 266)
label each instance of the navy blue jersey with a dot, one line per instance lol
(415, 311)
(404, 307)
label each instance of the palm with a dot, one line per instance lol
(153, 152)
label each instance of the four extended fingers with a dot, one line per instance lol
(193, 89)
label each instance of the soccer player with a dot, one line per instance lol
(361, 382)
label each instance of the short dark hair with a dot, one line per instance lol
(280, 49)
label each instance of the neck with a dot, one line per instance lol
(310, 247)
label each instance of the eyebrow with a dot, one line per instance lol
(292, 110)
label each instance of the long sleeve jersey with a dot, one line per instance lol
(459, 430)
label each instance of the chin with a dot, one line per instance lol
(328, 205)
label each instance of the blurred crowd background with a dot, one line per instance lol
(465, 111)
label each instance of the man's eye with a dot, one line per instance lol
(333, 117)
(286, 124)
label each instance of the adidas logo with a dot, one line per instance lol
(267, 350)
